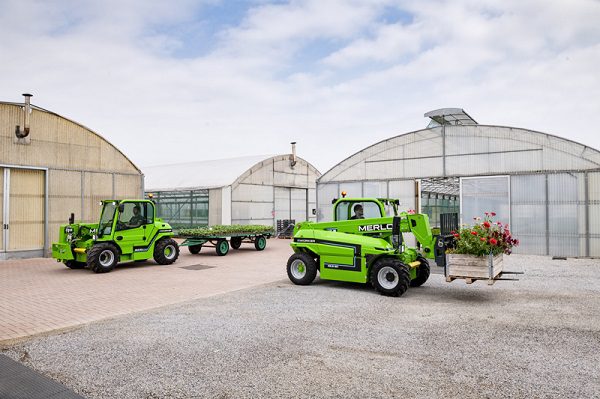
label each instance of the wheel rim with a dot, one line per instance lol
(298, 269)
(223, 246)
(106, 258)
(388, 278)
(262, 242)
(169, 252)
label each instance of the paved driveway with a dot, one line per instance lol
(41, 295)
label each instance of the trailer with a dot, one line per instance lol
(222, 242)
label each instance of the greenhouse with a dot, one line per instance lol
(268, 190)
(546, 187)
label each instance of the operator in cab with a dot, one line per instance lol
(137, 219)
(358, 212)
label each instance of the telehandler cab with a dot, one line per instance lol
(127, 231)
(368, 249)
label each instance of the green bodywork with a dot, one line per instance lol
(346, 248)
(137, 243)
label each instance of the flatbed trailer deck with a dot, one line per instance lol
(221, 244)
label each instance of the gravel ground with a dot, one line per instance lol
(537, 337)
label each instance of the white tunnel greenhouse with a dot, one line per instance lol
(546, 187)
(269, 190)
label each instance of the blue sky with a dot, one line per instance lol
(216, 79)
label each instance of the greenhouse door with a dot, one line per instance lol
(291, 204)
(484, 194)
(23, 200)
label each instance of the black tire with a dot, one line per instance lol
(166, 251)
(390, 277)
(236, 242)
(222, 247)
(195, 249)
(260, 243)
(103, 257)
(423, 272)
(301, 268)
(71, 264)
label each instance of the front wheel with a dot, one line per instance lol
(222, 247)
(301, 268)
(422, 273)
(102, 257)
(166, 251)
(260, 243)
(390, 277)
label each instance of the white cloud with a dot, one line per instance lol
(105, 64)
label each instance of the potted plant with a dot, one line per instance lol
(478, 250)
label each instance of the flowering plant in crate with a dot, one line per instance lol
(485, 237)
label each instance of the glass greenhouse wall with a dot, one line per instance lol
(182, 208)
(547, 188)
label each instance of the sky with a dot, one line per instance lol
(181, 81)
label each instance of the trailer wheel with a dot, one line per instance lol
(222, 247)
(166, 251)
(301, 268)
(422, 273)
(71, 264)
(260, 243)
(194, 249)
(236, 242)
(103, 257)
(390, 277)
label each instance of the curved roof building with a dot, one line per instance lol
(50, 167)
(267, 189)
(546, 187)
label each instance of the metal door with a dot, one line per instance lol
(282, 203)
(298, 204)
(25, 209)
(3, 209)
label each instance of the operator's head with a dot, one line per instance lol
(358, 210)
(136, 210)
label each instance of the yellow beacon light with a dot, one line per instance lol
(344, 194)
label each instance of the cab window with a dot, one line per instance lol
(135, 214)
(357, 210)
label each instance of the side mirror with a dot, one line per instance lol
(72, 218)
(121, 208)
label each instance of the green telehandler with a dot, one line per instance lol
(366, 247)
(127, 231)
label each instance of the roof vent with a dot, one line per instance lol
(23, 134)
(449, 116)
(293, 158)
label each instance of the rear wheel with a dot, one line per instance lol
(103, 257)
(166, 251)
(194, 249)
(236, 242)
(422, 273)
(390, 277)
(260, 243)
(222, 247)
(301, 268)
(71, 264)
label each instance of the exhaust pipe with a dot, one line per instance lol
(21, 134)
(293, 160)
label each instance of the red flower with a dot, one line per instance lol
(493, 241)
(453, 232)
(493, 213)
(474, 233)
(483, 239)
(486, 224)
(456, 235)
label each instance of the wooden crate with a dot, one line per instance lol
(470, 267)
